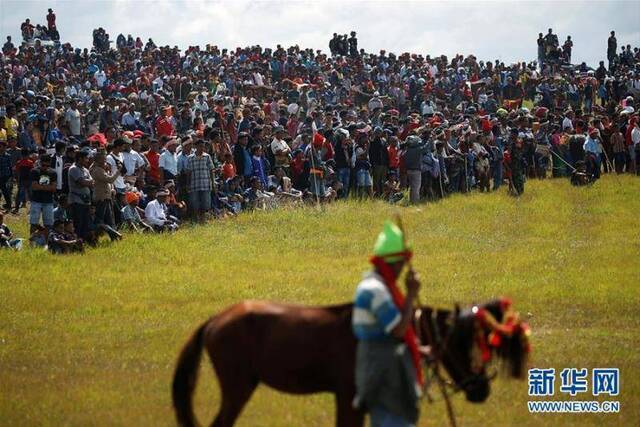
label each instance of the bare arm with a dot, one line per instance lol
(39, 187)
(413, 285)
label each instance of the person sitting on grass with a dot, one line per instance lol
(61, 242)
(256, 197)
(156, 213)
(177, 208)
(38, 237)
(61, 212)
(280, 184)
(232, 195)
(7, 239)
(131, 214)
(392, 193)
(97, 229)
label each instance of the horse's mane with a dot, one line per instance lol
(512, 349)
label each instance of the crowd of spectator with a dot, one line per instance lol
(140, 137)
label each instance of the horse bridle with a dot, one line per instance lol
(438, 348)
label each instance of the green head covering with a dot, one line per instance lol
(390, 244)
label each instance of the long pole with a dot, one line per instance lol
(562, 160)
(313, 168)
(452, 418)
(398, 219)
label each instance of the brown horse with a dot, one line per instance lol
(301, 350)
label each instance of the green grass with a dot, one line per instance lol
(92, 339)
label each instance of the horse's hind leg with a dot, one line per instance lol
(236, 389)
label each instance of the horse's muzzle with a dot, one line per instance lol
(477, 390)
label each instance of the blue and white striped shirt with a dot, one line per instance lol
(374, 313)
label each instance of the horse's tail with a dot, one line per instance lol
(185, 376)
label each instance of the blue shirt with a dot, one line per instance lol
(258, 167)
(374, 312)
(248, 164)
(183, 160)
(592, 146)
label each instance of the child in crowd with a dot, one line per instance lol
(228, 168)
(7, 239)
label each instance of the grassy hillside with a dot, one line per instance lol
(92, 339)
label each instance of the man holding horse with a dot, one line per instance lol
(388, 371)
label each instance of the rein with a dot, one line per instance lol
(438, 348)
(433, 364)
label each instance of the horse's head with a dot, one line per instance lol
(477, 334)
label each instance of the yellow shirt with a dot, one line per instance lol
(3, 135)
(11, 125)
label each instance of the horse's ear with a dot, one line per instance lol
(457, 310)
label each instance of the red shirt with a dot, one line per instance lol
(394, 158)
(164, 127)
(154, 165)
(297, 167)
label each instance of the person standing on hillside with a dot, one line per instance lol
(201, 170)
(388, 367)
(6, 176)
(81, 185)
(43, 187)
(353, 45)
(567, 47)
(612, 48)
(104, 178)
(541, 51)
(51, 20)
(517, 165)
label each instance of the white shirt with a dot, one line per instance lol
(128, 119)
(111, 160)
(59, 169)
(158, 82)
(169, 162)
(279, 145)
(100, 77)
(567, 124)
(73, 117)
(154, 213)
(132, 161)
(202, 106)
(635, 135)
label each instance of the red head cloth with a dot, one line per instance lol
(131, 197)
(99, 138)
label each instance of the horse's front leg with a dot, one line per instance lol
(346, 415)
